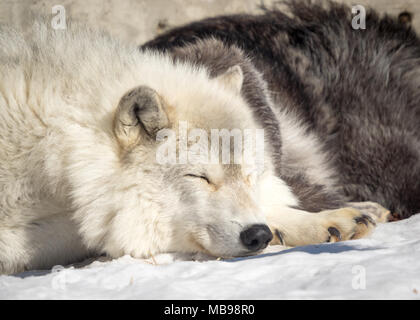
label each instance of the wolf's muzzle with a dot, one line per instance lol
(256, 237)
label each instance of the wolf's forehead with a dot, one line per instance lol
(213, 121)
(209, 111)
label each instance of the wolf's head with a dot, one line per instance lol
(184, 191)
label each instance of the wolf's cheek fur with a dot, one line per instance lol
(210, 221)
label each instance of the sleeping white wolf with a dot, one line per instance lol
(79, 117)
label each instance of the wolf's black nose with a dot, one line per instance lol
(256, 237)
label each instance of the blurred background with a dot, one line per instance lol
(142, 20)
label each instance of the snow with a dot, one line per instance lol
(384, 266)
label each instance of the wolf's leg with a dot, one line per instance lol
(292, 227)
(40, 244)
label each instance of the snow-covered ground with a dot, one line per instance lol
(386, 265)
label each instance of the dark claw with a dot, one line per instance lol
(335, 233)
(369, 218)
(360, 220)
(280, 236)
(365, 219)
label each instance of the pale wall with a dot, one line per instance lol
(141, 20)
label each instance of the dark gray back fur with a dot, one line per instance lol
(357, 90)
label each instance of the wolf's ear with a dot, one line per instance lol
(139, 113)
(232, 78)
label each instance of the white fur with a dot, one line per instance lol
(70, 189)
(302, 151)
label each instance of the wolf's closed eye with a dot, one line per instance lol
(199, 177)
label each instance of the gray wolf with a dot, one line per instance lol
(80, 114)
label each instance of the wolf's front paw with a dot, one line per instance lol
(298, 228)
(346, 223)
